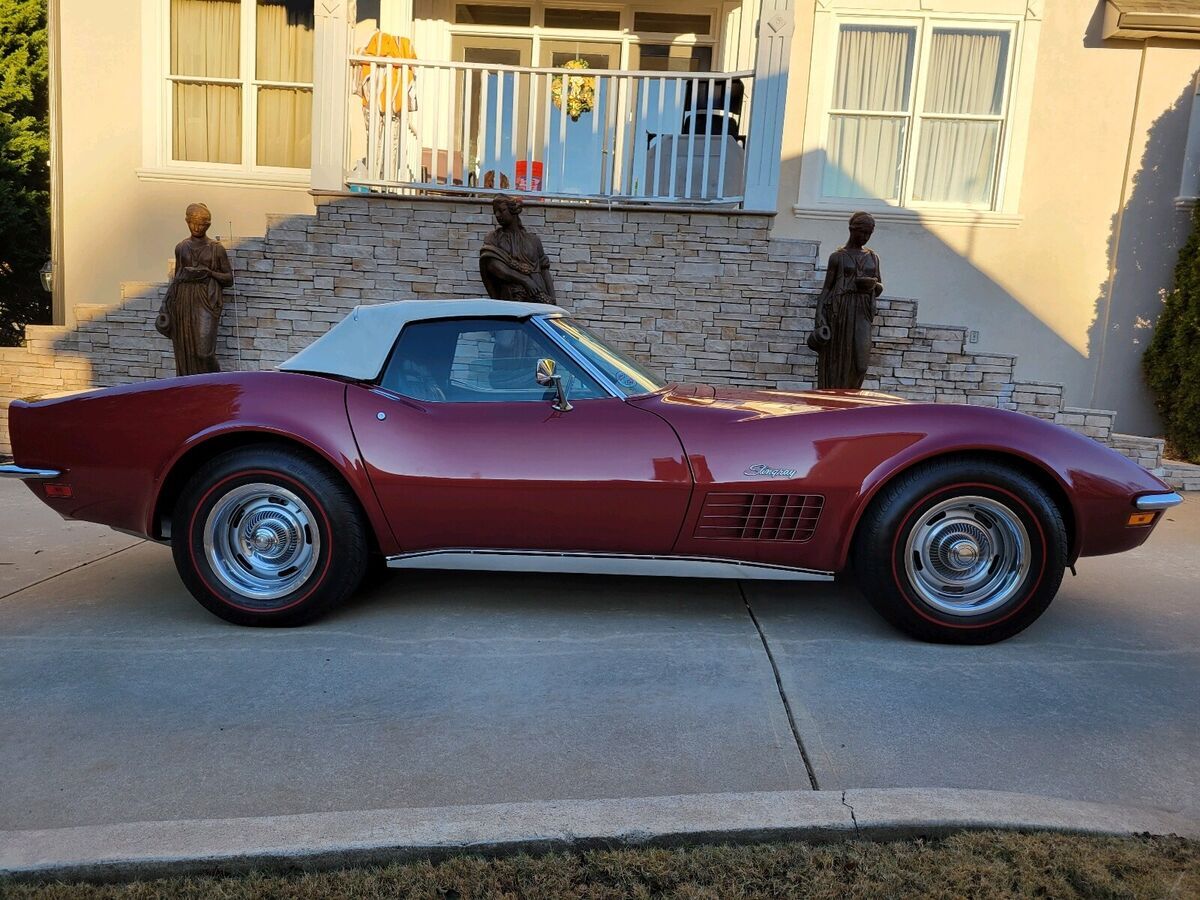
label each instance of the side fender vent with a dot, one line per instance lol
(759, 517)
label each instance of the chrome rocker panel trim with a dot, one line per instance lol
(11, 471)
(550, 561)
(1152, 502)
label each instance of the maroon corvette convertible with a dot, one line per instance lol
(479, 434)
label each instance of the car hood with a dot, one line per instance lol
(770, 404)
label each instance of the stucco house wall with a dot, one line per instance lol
(1072, 284)
(1068, 280)
(119, 221)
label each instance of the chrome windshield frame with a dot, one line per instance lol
(541, 321)
(541, 324)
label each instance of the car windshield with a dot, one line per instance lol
(629, 377)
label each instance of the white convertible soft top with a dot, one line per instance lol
(358, 346)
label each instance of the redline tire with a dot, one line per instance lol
(961, 551)
(268, 536)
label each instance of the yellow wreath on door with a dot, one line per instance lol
(580, 90)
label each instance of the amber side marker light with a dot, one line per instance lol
(1141, 518)
(58, 490)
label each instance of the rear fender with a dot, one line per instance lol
(118, 447)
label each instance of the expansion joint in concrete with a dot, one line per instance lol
(853, 818)
(787, 706)
(81, 565)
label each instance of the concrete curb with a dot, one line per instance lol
(324, 840)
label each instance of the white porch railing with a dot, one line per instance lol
(550, 133)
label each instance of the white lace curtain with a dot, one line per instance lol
(206, 43)
(285, 53)
(874, 74)
(956, 162)
(961, 115)
(206, 40)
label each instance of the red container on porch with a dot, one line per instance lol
(524, 183)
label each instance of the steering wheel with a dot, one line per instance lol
(421, 383)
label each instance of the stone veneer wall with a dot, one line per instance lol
(696, 294)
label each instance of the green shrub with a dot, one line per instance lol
(1172, 361)
(24, 176)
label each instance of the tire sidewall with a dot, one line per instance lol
(1028, 589)
(881, 546)
(338, 568)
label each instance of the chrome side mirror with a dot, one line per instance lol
(546, 378)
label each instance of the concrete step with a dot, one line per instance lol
(86, 312)
(45, 338)
(142, 295)
(1183, 476)
(1095, 423)
(1147, 452)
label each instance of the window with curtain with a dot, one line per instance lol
(917, 114)
(284, 66)
(239, 66)
(206, 87)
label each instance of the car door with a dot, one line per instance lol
(466, 450)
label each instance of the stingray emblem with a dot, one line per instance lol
(760, 469)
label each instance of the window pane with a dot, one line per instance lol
(284, 36)
(865, 156)
(285, 127)
(593, 19)
(673, 58)
(470, 361)
(483, 14)
(874, 68)
(966, 72)
(206, 37)
(956, 162)
(208, 123)
(671, 23)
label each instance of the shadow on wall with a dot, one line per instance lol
(737, 310)
(1143, 246)
(914, 257)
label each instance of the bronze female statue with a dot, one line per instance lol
(512, 263)
(846, 308)
(192, 307)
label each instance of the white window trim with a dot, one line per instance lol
(157, 164)
(1024, 22)
(624, 35)
(1189, 182)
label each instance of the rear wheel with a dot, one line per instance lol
(961, 551)
(268, 536)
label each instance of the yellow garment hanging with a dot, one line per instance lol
(392, 47)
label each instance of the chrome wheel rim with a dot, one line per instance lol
(261, 541)
(967, 556)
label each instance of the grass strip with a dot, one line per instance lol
(976, 865)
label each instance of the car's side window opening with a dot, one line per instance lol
(479, 360)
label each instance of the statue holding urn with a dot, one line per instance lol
(192, 307)
(841, 335)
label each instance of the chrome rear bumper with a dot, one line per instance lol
(11, 471)
(1153, 502)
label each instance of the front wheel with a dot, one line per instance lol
(961, 551)
(268, 536)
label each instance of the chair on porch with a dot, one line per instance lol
(713, 139)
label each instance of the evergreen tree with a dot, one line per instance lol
(1172, 361)
(24, 171)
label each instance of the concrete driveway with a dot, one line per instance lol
(122, 700)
